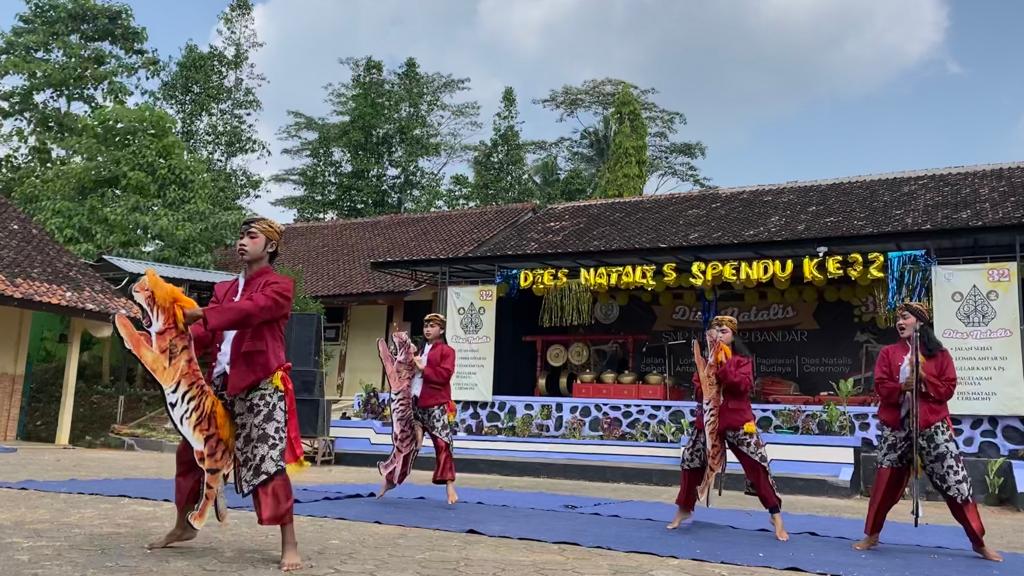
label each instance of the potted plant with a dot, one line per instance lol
(787, 420)
(524, 426)
(610, 428)
(574, 429)
(508, 425)
(642, 432)
(994, 480)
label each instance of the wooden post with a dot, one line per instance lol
(105, 373)
(67, 396)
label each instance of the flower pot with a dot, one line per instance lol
(992, 499)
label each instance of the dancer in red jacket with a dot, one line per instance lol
(432, 398)
(734, 373)
(245, 324)
(940, 455)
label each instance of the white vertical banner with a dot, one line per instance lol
(977, 317)
(471, 315)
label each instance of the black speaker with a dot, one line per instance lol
(314, 417)
(309, 383)
(303, 339)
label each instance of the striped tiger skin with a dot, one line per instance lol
(202, 420)
(399, 369)
(712, 405)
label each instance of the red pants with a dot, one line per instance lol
(887, 491)
(758, 476)
(444, 464)
(272, 498)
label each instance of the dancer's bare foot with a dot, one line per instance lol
(177, 534)
(681, 516)
(385, 486)
(290, 559)
(453, 497)
(988, 553)
(869, 542)
(780, 531)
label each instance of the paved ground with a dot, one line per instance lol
(67, 534)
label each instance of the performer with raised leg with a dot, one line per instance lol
(245, 323)
(895, 381)
(722, 387)
(432, 399)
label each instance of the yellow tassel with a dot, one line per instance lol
(276, 381)
(296, 467)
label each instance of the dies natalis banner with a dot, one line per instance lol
(977, 317)
(471, 314)
(864, 268)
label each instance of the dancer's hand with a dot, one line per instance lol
(420, 362)
(192, 315)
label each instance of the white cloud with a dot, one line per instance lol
(729, 65)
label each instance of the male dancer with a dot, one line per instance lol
(432, 398)
(894, 381)
(731, 365)
(245, 322)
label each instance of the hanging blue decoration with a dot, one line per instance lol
(508, 276)
(708, 308)
(909, 277)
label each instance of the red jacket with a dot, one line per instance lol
(939, 386)
(736, 378)
(437, 376)
(259, 316)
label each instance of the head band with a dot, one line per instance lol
(727, 321)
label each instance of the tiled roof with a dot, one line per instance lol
(169, 271)
(335, 256)
(36, 270)
(930, 200)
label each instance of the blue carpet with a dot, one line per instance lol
(937, 536)
(700, 541)
(818, 544)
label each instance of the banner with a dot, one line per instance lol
(471, 315)
(977, 317)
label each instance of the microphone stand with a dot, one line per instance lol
(915, 418)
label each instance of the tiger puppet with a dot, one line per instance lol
(712, 391)
(399, 369)
(166, 350)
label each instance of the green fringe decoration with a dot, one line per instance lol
(569, 305)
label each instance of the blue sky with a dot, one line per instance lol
(778, 89)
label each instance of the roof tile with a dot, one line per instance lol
(35, 268)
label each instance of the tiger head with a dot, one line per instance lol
(162, 303)
(404, 352)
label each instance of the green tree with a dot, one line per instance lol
(301, 302)
(625, 172)
(212, 93)
(671, 163)
(500, 171)
(59, 60)
(386, 146)
(552, 184)
(126, 185)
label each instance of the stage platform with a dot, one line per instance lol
(811, 465)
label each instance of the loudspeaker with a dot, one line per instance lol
(303, 339)
(314, 416)
(308, 383)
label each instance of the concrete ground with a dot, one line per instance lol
(44, 533)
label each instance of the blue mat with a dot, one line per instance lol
(700, 541)
(737, 537)
(7, 450)
(937, 536)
